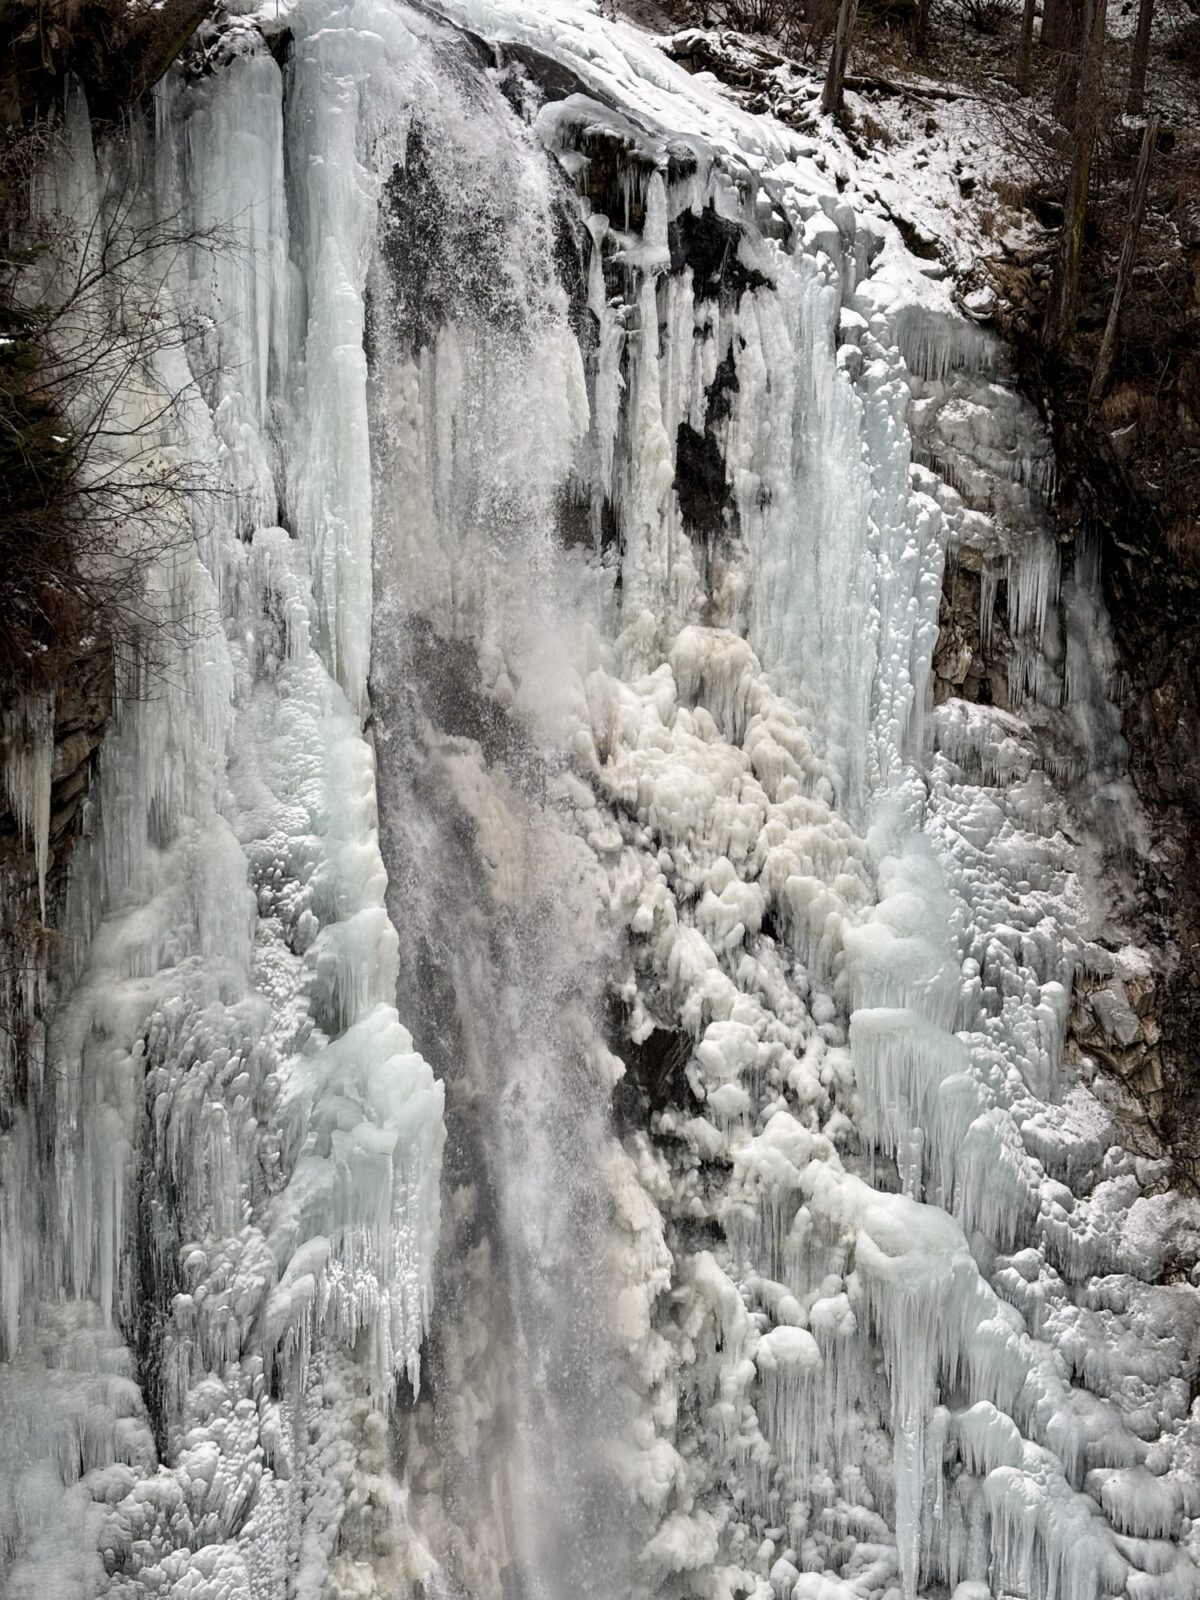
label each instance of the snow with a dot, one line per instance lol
(867, 1299)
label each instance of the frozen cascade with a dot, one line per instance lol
(553, 679)
(221, 1199)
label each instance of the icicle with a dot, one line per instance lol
(1033, 579)
(907, 1072)
(988, 584)
(28, 737)
(935, 344)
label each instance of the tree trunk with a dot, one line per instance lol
(1068, 45)
(831, 98)
(921, 28)
(1063, 308)
(1025, 53)
(1055, 23)
(1141, 56)
(1137, 205)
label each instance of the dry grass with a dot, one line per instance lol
(1012, 192)
(874, 133)
(1128, 402)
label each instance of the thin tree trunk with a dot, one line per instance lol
(1137, 205)
(1025, 54)
(1069, 46)
(1063, 308)
(831, 98)
(1141, 57)
(921, 28)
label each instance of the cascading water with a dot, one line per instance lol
(479, 406)
(556, 686)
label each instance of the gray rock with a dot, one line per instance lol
(1114, 1013)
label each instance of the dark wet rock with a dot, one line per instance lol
(708, 243)
(655, 1076)
(116, 51)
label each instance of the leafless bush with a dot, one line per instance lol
(812, 28)
(99, 496)
(1037, 147)
(986, 17)
(873, 133)
(800, 27)
(1013, 192)
(770, 17)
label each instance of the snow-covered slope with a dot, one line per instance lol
(602, 459)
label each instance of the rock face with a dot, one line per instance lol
(116, 51)
(1129, 470)
(29, 927)
(1139, 1021)
(964, 666)
(82, 701)
(50, 738)
(1129, 473)
(1152, 583)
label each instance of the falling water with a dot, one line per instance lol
(479, 408)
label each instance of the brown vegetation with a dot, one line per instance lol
(94, 502)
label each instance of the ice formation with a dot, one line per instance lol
(221, 1194)
(553, 680)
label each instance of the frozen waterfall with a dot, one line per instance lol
(559, 1087)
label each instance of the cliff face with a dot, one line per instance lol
(116, 51)
(1129, 468)
(81, 702)
(643, 644)
(1152, 587)
(57, 650)
(64, 748)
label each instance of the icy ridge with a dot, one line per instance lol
(219, 1246)
(945, 923)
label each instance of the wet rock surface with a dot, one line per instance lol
(28, 938)
(1139, 487)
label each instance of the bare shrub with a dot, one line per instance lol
(986, 17)
(97, 504)
(801, 28)
(770, 17)
(811, 29)
(1128, 402)
(874, 134)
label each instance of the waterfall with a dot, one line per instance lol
(560, 1089)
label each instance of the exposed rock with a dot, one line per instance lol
(83, 701)
(1130, 469)
(117, 51)
(963, 664)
